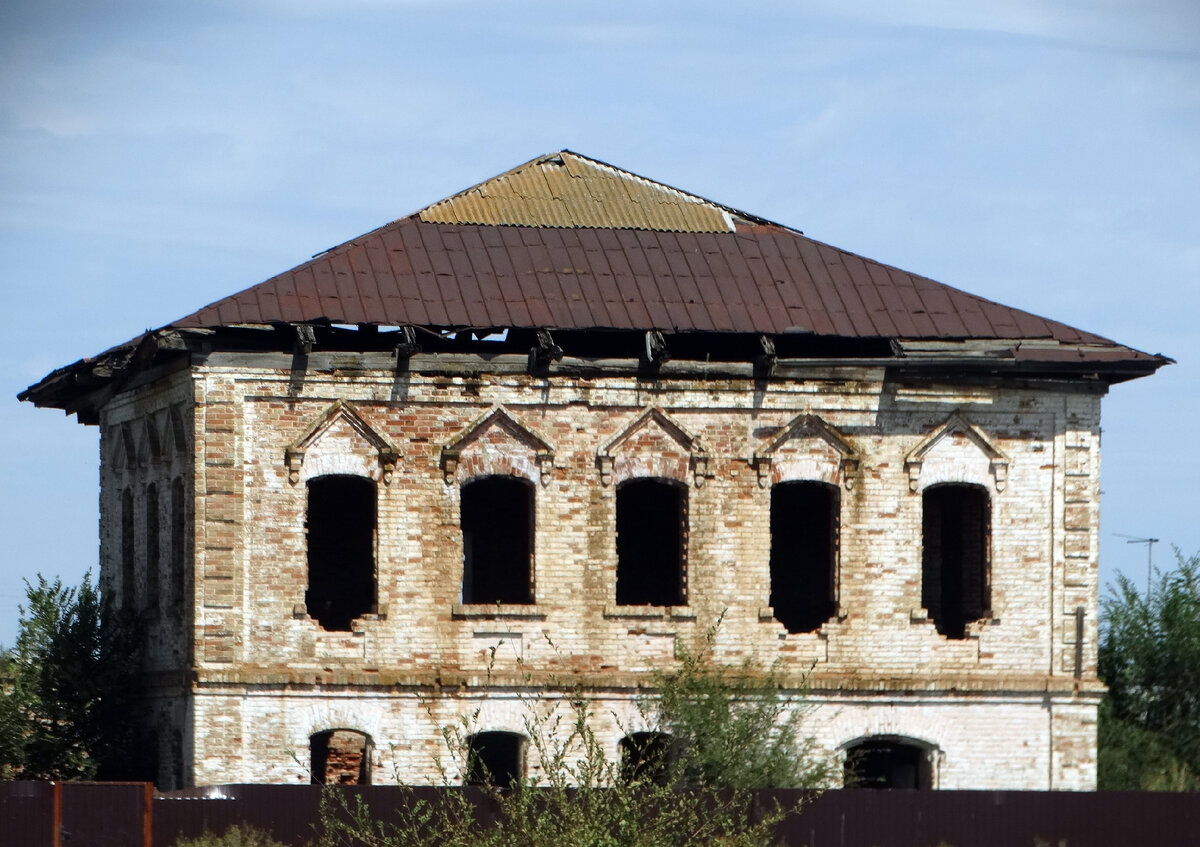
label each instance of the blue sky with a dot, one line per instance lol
(156, 156)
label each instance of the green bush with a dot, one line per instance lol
(736, 732)
(733, 726)
(238, 835)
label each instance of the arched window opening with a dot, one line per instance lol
(341, 757)
(128, 585)
(341, 550)
(888, 763)
(956, 529)
(651, 543)
(497, 528)
(178, 542)
(495, 758)
(804, 542)
(648, 756)
(153, 546)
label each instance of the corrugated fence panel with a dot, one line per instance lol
(27, 813)
(105, 815)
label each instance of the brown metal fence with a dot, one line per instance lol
(36, 814)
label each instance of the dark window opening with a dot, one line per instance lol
(888, 763)
(954, 562)
(495, 758)
(341, 550)
(341, 757)
(651, 543)
(146, 758)
(178, 542)
(497, 528)
(174, 770)
(128, 587)
(804, 538)
(648, 756)
(152, 546)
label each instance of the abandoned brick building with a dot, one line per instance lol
(535, 433)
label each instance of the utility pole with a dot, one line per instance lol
(1149, 542)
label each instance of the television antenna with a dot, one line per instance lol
(1149, 542)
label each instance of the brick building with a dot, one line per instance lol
(537, 432)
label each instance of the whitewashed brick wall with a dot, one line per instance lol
(1002, 707)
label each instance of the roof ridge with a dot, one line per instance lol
(752, 218)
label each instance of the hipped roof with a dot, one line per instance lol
(565, 242)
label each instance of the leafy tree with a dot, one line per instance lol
(1149, 734)
(66, 693)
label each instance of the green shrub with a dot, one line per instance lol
(733, 726)
(238, 835)
(736, 733)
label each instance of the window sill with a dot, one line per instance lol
(528, 611)
(676, 613)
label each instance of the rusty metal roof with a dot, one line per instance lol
(565, 189)
(568, 243)
(761, 278)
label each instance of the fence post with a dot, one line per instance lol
(56, 816)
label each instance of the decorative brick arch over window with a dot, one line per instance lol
(956, 451)
(808, 448)
(497, 444)
(653, 445)
(342, 443)
(499, 461)
(958, 471)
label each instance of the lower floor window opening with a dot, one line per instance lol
(648, 756)
(341, 757)
(495, 759)
(888, 763)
